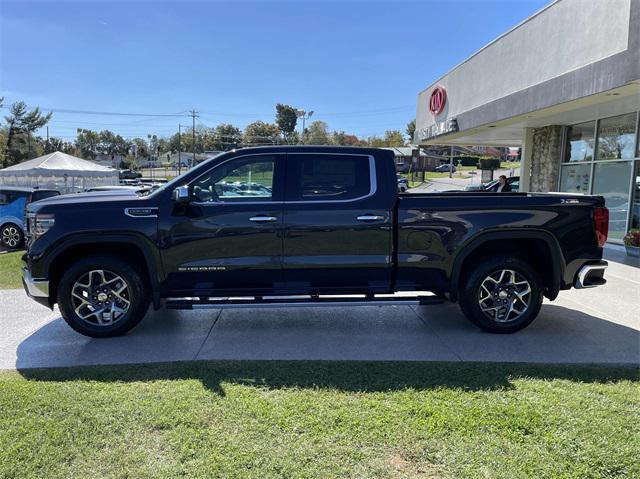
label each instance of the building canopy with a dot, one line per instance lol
(65, 173)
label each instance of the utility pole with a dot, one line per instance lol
(179, 139)
(194, 114)
(451, 162)
(48, 147)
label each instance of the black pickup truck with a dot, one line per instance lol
(308, 226)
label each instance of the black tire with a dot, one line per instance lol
(137, 293)
(11, 236)
(471, 294)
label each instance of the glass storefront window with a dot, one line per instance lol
(611, 180)
(635, 214)
(575, 178)
(580, 141)
(616, 137)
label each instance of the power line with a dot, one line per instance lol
(106, 113)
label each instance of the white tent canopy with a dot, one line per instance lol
(65, 173)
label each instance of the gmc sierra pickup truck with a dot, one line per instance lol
(307, 226)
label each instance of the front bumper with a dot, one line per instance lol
(591, 275)
(36, 289)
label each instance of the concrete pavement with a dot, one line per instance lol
(599, 325)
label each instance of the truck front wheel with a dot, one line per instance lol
(102, 296)
(501, 294)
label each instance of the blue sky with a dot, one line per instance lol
(358, 65)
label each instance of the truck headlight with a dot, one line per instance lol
(42, 224)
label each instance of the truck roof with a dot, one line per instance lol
(354, 150)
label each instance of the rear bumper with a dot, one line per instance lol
(591, 275)
(36, 289)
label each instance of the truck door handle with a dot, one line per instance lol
(263, 219)
(370, 218)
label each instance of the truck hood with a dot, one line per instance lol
(85, 198)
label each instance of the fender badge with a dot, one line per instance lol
(141, 212)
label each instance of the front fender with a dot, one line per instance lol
(40, 262)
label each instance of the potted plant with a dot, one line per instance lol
(632, 242)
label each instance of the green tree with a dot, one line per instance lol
(57, 144)
(163, 145)
(317, 133)
(261, 133)
(393, 138)
(21, 124)
(172, 143)
(376, 142)
(87, 142)
(185, 143)
(224, 136)
(153, 146)
(141, 148)
(411, 129)
(112, 144)
(343, 139)
(286, 119)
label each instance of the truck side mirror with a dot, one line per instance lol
(181, 194)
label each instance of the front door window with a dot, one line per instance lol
(241, 180)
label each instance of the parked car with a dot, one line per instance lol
(153, 180)
(13, 201)
(129, 174)
(445, 167)
(403, 184)
(513, 181)
(333, 231)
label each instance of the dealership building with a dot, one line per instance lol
(565, 86)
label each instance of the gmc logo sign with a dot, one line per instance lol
(437, 101)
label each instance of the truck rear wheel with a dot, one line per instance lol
(102, 296)
(501, 295)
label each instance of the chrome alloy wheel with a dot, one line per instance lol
(10, 236)
(100, 297)
(504, 295)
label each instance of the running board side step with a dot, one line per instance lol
(299, 301)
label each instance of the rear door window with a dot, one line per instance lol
(328, 177)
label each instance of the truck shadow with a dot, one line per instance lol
(252, 348)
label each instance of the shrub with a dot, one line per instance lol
(632, 238)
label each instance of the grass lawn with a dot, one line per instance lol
(509, 164)
(445, 174)
(320, 419)
(10, 265)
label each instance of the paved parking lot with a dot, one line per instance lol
(599, 325)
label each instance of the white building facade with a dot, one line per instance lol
(565, 86)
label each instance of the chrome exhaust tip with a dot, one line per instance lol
(591, 275)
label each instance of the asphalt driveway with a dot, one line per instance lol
(599, 325)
